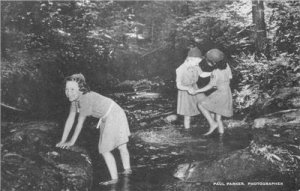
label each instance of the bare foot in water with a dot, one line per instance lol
(105, 183)
(211, 129)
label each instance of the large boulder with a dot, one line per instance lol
(235, 166)
(30, 160)
(272, 156)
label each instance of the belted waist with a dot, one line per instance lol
(105, 115)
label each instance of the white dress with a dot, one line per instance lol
(187, 75)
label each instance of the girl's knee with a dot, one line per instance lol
(123, 150)
(187, 118)
(105, 154)
(123, 147)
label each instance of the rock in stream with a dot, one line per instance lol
(30, 160)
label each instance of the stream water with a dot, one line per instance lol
(153, 164)
(158, 147)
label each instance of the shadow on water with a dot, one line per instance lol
(153, 165)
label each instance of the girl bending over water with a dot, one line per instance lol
(113, 124)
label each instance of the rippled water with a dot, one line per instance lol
(153, 165)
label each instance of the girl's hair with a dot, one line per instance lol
(80, 79)
(218, 57)
(222, 64)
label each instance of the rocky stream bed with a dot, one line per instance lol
(254, 154)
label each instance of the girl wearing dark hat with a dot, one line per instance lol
(186, 80)
(218, 102)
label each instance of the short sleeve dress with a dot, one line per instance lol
(186, 103)
(114, 129)
(220, 101)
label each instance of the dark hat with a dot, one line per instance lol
(195, 52)
(215, 55)
(78, 76)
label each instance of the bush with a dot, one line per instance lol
(260, 79)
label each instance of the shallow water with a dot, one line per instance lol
(153, 165)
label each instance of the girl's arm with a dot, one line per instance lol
(182, 87)
(79, 126)
(68, 126)
(205, 88)
(229, 71)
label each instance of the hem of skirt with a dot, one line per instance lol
(217, 112)
(188, 115)
(116, 146)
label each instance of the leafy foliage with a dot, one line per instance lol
(286, 25)
(112, 41)
(43, 42)
(228, 26)
(283, 158)
(260, 79)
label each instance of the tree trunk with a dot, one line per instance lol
(185, 10)
(259, 25)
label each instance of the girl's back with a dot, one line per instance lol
(220, 101)
(222, 76)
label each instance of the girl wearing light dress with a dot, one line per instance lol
(219, 102)
(113, 124)
(187, 75)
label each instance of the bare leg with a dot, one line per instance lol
(213, 116)
(125, 158)
(111, 165)
(187, 122)
(220, 124)
(212, 123)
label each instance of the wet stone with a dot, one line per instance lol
(30, 160)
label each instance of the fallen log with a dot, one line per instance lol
(11, 107)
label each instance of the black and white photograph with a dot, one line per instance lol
(161, 95)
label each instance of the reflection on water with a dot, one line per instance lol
(123, 184)
(141, 180)
(153, 166)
